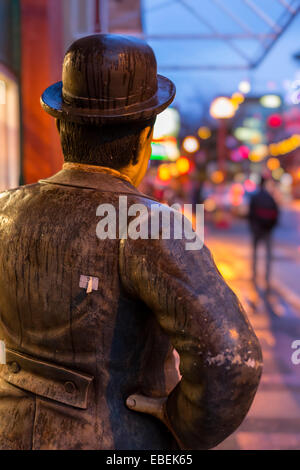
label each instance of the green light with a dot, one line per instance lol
(159, 157)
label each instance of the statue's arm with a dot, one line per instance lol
(220, 356)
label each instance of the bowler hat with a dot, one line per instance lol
(108, 78)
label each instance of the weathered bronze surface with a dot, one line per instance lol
(108, 78)
(152, 295)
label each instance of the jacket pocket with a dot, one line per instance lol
(46, 379)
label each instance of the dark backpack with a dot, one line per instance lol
(263, 211)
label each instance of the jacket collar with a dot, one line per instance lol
(103, 182)
(96, 169)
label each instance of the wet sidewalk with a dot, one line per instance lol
(273, 421)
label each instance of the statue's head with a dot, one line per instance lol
(107, 102)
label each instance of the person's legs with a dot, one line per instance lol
(268, 242)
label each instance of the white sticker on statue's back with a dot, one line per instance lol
(89, 283)
(2, 353)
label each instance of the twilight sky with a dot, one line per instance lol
(196, 88)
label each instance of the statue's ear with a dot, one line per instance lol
(57, 122)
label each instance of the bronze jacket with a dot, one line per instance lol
(76, 350)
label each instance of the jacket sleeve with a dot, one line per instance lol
(220, 356)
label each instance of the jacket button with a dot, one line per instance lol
(14, 367)
(70, 387)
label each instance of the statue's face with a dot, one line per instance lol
(137, 172)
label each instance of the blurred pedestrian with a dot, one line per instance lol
(263, 218)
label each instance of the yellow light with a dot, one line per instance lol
(273, 150)
(234, 104)
(238, 97)
(173, 170)
(222, 108)
(164, 173)
(258, 153)
(273, 164)
(190, 144)
(285, 146)
(270, 101)
(253, 157)
(204, 133)
(217, 177)
(183, 165)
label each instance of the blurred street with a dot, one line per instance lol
(274, 419)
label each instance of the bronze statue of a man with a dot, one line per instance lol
(90, 323)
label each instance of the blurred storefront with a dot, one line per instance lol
(9, 94)
(33, 38)
(41, 56)
(83, 17)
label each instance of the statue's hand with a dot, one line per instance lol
(151, 406)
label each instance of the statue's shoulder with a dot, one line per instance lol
(13, 194)
(138, 197)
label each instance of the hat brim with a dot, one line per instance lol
(52, 102)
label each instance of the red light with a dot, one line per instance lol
(275, 120)
(244, 151)
(240, 153)
(250, 186)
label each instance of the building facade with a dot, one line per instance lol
(34, 35)
(10, 129)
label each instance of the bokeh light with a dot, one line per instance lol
(164, 173)
(275, 120)
(217, 177)
(277, 174)
(250, 185)
(183, 165)
(258, 153)
(270, 101)
(167, 124)
(273, 163)
(244, 86)
(222, 108)
(190, 144)
(204, 132)
(210, 205)
(237, 98)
